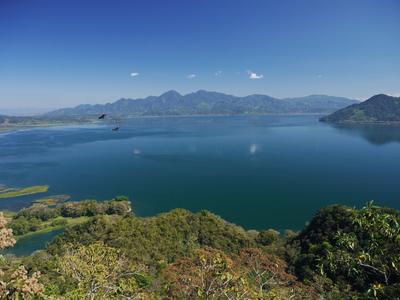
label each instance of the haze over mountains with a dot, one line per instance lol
(206, 103)
(379, 108)
(24, 111)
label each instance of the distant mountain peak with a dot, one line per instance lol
(205, 92)
(317, 95)
(171, 93)
(380, 96)
(204, 102)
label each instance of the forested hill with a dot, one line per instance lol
(205, 103)
(106, 252)
(377, 109)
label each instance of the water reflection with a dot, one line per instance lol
(374, 134)
(22, 143)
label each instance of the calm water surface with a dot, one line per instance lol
(256, 171)
(31, 243)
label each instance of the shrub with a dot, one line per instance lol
(267, 237)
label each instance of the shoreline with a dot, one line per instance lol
(350, 123)
(16, 128)
(70, 222)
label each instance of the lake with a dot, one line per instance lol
(256, 171)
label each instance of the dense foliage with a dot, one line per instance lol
(15, 283)
(162, 238)
(344, 253)
(98, 271)
(40, 215)
(357, 248)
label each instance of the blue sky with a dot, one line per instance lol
(63, 53)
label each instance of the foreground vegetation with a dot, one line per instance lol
(344, 253)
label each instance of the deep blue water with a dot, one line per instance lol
(256, 171)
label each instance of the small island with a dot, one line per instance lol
(17, 192)
(12, 123)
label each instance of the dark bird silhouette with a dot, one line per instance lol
(115, 128)
(102, 116)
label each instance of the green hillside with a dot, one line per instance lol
(377, 109)
(108, 253)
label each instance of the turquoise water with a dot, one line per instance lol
(256, 171)
(28, 245)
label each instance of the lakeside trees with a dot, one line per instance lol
(344, 253)
(15, 283)
(40, 216)
(357, 248)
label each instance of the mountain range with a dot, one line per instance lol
(207, 103)
(377, 109)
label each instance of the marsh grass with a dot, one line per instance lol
(12, 193)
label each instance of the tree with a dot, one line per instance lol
(100, 272)
(20, 285)
(265, 269)
(6, 234)
(15, 284)
(210, 274)
(268, 273)
(360, 248)
(371, 253)
(267, 237)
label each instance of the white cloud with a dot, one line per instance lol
(191, 76)
(253, 75)
(218, 73)
(134, 74)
